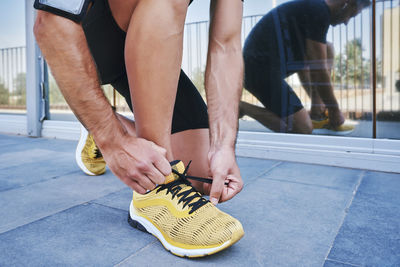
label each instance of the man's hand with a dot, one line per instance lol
(223, 170)
(336, 117)
(139, 163)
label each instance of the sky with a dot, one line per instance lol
(12, 17)
(12, 23)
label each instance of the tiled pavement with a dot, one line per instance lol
(294, 214)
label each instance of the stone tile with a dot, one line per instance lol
(33, 172)
(286, 224)
(383, 184)
(370, 234)
(119, 200)
(251, 168)
(10, 140)
(6, 185)
(340, 178)
(38, 155)
(11, 137)
(86, 235)
(27, 204)
(330, 263)
(54, 145)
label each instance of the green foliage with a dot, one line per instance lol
(20, 88)
(351, 66)
(4, 94)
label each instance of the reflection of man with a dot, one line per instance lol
(292, 39)
(137, 46)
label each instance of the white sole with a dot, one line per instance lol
(144, 225)
(78, 151)
(331, 132)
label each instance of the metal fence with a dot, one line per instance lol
(351, 72)
(12, 78)
(352, 67)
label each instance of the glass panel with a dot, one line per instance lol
(303, 75)
(12, 57)
(388, 68)
(59, 109)
(284, 74)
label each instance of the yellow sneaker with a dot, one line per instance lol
(324, 127)
(88, 155)
(184, 222)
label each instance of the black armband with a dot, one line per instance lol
(72, 9)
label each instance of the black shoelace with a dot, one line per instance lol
(188, 196)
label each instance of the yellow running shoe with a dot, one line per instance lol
(88, 155)
(324, 127)
(184, 222)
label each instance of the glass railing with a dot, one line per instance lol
(369, 103)
(12, 80)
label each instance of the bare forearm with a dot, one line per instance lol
(223, 81)
(75, 72)
(321, 82)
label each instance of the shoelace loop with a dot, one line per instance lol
(188, 195)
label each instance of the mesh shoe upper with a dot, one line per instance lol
(183, 216)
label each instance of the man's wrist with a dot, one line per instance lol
(109, 132)
(224, 143)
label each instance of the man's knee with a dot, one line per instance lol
(48, 25)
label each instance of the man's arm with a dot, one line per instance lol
(317, 61)
(65, 48)
(223, 82)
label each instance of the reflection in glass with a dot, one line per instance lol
(12, 58)
(59, 109)
(292, 39)
(388, 68)
(12, 80)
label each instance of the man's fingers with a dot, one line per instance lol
(162, 164)
(233, 188)
(216, 188)
(136, 187)
(156, 176)
(159, 149)
(145, 182)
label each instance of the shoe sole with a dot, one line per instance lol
(78, 152)
(144, 225)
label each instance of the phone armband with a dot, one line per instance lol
(71, 9)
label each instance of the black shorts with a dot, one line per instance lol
(264, 80)
(266, 68)
(106, 41)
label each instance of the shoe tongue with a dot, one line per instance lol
(178, 166)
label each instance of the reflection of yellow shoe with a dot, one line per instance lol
(186, 224)
(324, 127)
(88, 155)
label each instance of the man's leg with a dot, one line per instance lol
(189, 145)
(317, 111)
(301, 122)
(262, 115)
(153, 54)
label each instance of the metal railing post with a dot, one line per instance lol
(35, 81)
